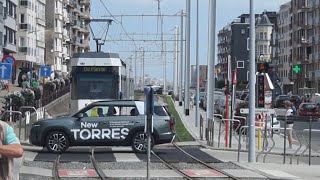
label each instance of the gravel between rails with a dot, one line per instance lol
(128, 165)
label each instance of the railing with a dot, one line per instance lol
(55, 95)
(271, 139)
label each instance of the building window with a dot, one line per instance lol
(265, 35)
(240, 64)
(261, 35)
(22, 42)
(243, 31)
(22, 20)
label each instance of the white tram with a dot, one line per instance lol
(98, 76)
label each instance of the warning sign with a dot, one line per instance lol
(78, 173)
(203, 173)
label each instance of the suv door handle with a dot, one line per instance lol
(135, 122)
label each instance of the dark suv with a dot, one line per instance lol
(104, 123)
(279, 102)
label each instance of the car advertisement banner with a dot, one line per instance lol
(91, 131)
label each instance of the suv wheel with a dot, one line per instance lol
(139, 142)
(57, 142)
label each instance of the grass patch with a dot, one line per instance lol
(138, 95)
(182, 132)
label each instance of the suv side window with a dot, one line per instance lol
(160, 111)
(124, 111)
(97, 111)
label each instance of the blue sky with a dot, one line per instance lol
(227, 10)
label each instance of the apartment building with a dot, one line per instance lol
(2, 6)
(263, 38)
(77, 14)
(283, 58)
(10, 27)
(233, 44)
(30, 35)
(67, 31)
(303, 52)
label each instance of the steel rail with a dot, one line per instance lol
(55, 171)
(205, 164)
(172, 167)
(96, 167)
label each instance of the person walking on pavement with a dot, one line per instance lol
(191, 101)
(289, 112)
(34, 83)
(10, 148)
(25, 83)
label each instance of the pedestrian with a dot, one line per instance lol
(289, 112)
(10, 148)
(34, 83)
(191, 101)
(25, 83)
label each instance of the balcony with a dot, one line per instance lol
(25, 3)
(24, 26)
(303, 60)
(23, 49)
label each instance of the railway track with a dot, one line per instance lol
(186, 176)
(98, 170)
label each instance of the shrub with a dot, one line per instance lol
(18, 99)
(37, 92)
(67, 81)
(49, 86)
(63, 83)
(57, 83)
(29, 96)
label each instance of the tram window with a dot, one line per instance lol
(95, 86)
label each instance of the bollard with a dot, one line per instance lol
(285, 140)
(259, 133)
(310, 124)
(201, 127)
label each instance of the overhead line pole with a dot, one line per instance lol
(197, 69)
(175, 66)
(211, 58)
(252, 139)
(181, 61)
(187, 81)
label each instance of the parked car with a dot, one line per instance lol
(104, 123)
(243, 122)
(308, 109)
(217, 95)
(279, 102)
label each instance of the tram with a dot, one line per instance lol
(97, 76)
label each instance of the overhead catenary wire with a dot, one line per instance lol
(120, 22)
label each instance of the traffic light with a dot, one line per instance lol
(263, 67)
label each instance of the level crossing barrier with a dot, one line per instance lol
(307, 119)
(308, 146)
(210, 129)
(26, 124)
(223, 121)
(201, 127)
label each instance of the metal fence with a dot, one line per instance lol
(266, 135)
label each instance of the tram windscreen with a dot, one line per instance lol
(94, 86)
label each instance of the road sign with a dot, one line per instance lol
(9, 59)
(261, 91)
(5, 71)
(45, 71)
(257, 111)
